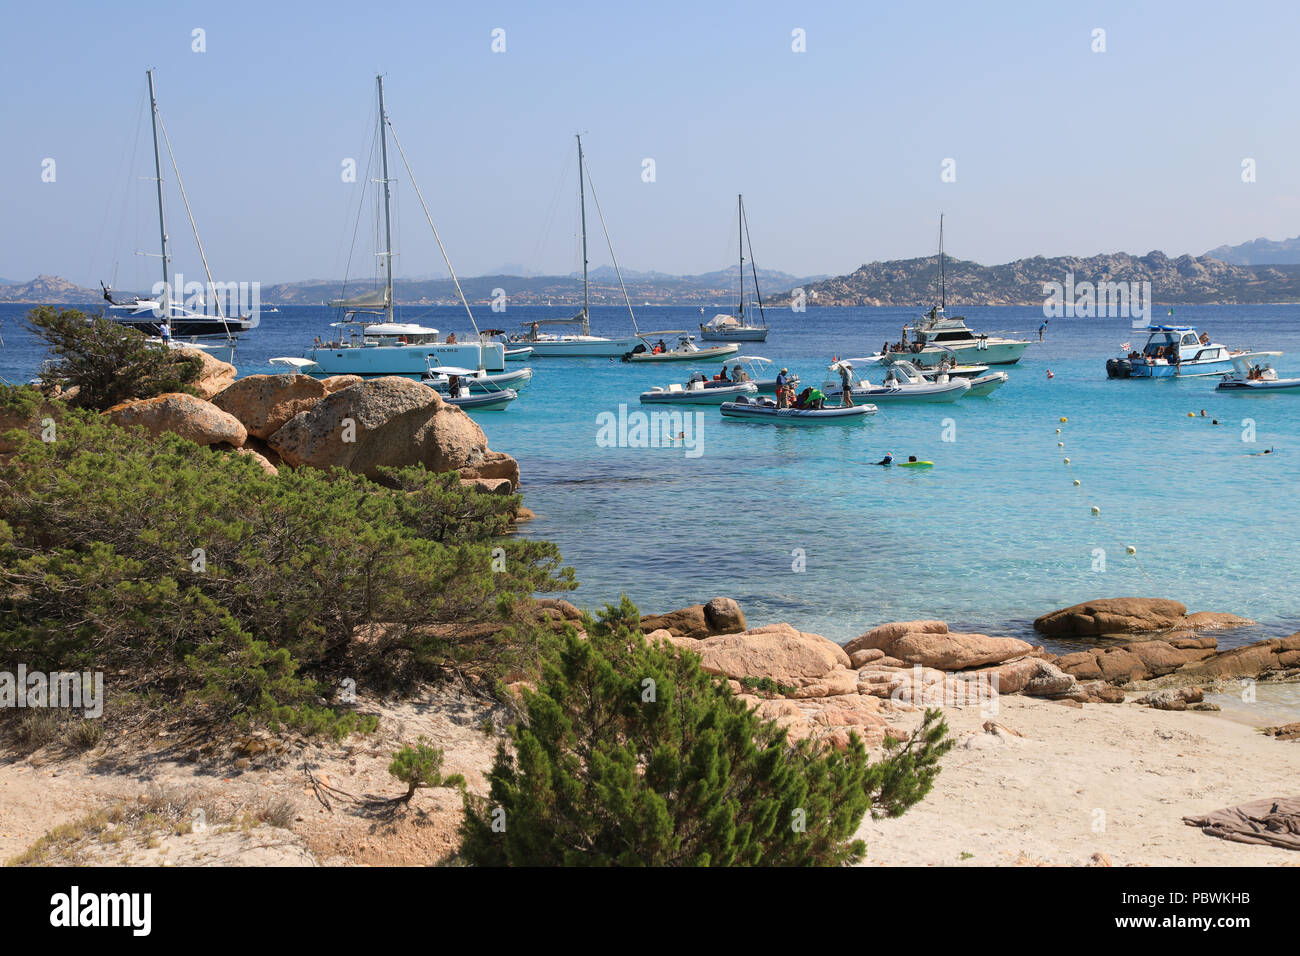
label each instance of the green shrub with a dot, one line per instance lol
(629, 754)
(421, 766)
(189, 575)
(108, 362)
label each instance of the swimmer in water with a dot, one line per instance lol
(887, 460)
(1255, 454)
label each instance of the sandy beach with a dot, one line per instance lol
(1106, 779)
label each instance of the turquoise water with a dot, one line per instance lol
(994, 535)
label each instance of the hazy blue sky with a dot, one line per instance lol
(1058, 150)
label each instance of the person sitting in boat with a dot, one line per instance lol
(738, 375)
(660, 347)
(1205, 338)
(816, 399)
(451, 338)
(801, 402)
(722, 376)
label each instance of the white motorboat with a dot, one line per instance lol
(765, 410)
(479, 380)
(684, 351)
(698, 391)
(369, 341)
(759, 371)
(582, 344)
(453, 384)
(981, 385)
(902, 383)
(737, 328)
(1252, 372)
(1173, 351)
(937, 335)
(148, 315)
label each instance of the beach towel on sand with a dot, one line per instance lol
(1275, 822)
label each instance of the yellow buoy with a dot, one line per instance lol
(1064, 419)
(1096, 510)
(1076, 482)
(1060, 444)
(1190, 415)
(1067, 461)
(1130, 550)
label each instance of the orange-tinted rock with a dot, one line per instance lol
(184, 415)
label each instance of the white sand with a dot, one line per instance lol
(1114, 779)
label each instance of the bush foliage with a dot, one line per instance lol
(188, 574)
(107, 362)
(630, 754)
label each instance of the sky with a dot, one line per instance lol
(840, 148)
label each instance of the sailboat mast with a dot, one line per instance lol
(942, 283)
(157, 169)
(388, 221)
(740, 242)
(582, 208)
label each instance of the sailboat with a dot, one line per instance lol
(937, 337)
(368, 341)
(734, 328)
(149, 314)
(582, 344)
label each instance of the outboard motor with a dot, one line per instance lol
(1118, 368)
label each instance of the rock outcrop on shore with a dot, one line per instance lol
(266, 403)
(215, 375)
(1130, 615)
(201, 422)
(820, 690)
(358, 424)
(390, 422)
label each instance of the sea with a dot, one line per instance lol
(1062, 486)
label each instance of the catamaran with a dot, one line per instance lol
(368, 341)
(582, 344)
(150, 314)
(736, 328)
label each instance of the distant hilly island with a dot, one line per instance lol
(1260, 252)
(1260, 271)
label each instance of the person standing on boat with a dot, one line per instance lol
(846, 389)
(1041, 329)
(781, 382)
(165, 332)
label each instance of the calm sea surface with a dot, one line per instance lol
(798, 526)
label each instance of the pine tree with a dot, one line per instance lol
(631, 755)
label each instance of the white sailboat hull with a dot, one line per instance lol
(582, 346)
(745, 334)
(409, 361)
